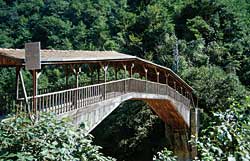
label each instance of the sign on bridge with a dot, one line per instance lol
(32, 56)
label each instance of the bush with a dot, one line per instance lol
(47, 139)
(165, 155)
(228, 135)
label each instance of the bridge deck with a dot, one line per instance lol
(106, 97)
(71, 99)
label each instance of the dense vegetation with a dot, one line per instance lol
(47, 139)
(227, 134)
(212, 36)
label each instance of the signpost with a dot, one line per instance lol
(33, 63)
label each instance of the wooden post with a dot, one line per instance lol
(34, 78)
(17, 81)
(166, 75)
(125, 70)
(175, 90)
(105, 68)
(194, 128)
(158, 75)
(77, 78)
(181, 95)
(76, 71)
(24, 92)
(158, 79)
(131, 70)
(146, 78)
(146, 73)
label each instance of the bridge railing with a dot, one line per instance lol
(71, 99)
(144, 86)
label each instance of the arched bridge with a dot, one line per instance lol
(91, 104)
(114, 78)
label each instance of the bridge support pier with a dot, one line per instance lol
(177, 138)
(194, 128)
(177, 141)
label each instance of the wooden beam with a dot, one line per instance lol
(125, 70)
(105, 68)
(34, 80)
(131, 70)
(17, 81)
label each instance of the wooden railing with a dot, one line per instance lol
(71, 99)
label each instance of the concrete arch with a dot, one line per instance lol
(168, 109)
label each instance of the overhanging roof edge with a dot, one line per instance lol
(165, 68)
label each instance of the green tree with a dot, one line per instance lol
(227, 135)
(47, 139)
(213, 87)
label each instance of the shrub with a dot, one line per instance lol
(47, 139)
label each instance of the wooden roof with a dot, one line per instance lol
(16, 57)
(52, 56)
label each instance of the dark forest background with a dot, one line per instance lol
(212, 37)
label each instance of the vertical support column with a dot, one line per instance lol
(131, 70)
(25, 93)
(182, 95)
(124, 76)
(175, 90)
(166, 76)
(17, 88)
(158, 77)
(177, 140)
(146, 78)
(105, 68)
(76, 71)
(195, 125)
(158, 80)
(34, 78)
(17, 81)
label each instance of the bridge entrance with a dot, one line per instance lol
(169, 96)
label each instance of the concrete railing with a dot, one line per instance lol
(71, 99)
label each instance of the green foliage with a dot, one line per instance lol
(227, 134)
(165, 155)
(47, 139)
(198, 26)
(212, 36)
(214, 87)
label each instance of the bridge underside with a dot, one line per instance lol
(172, 112)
